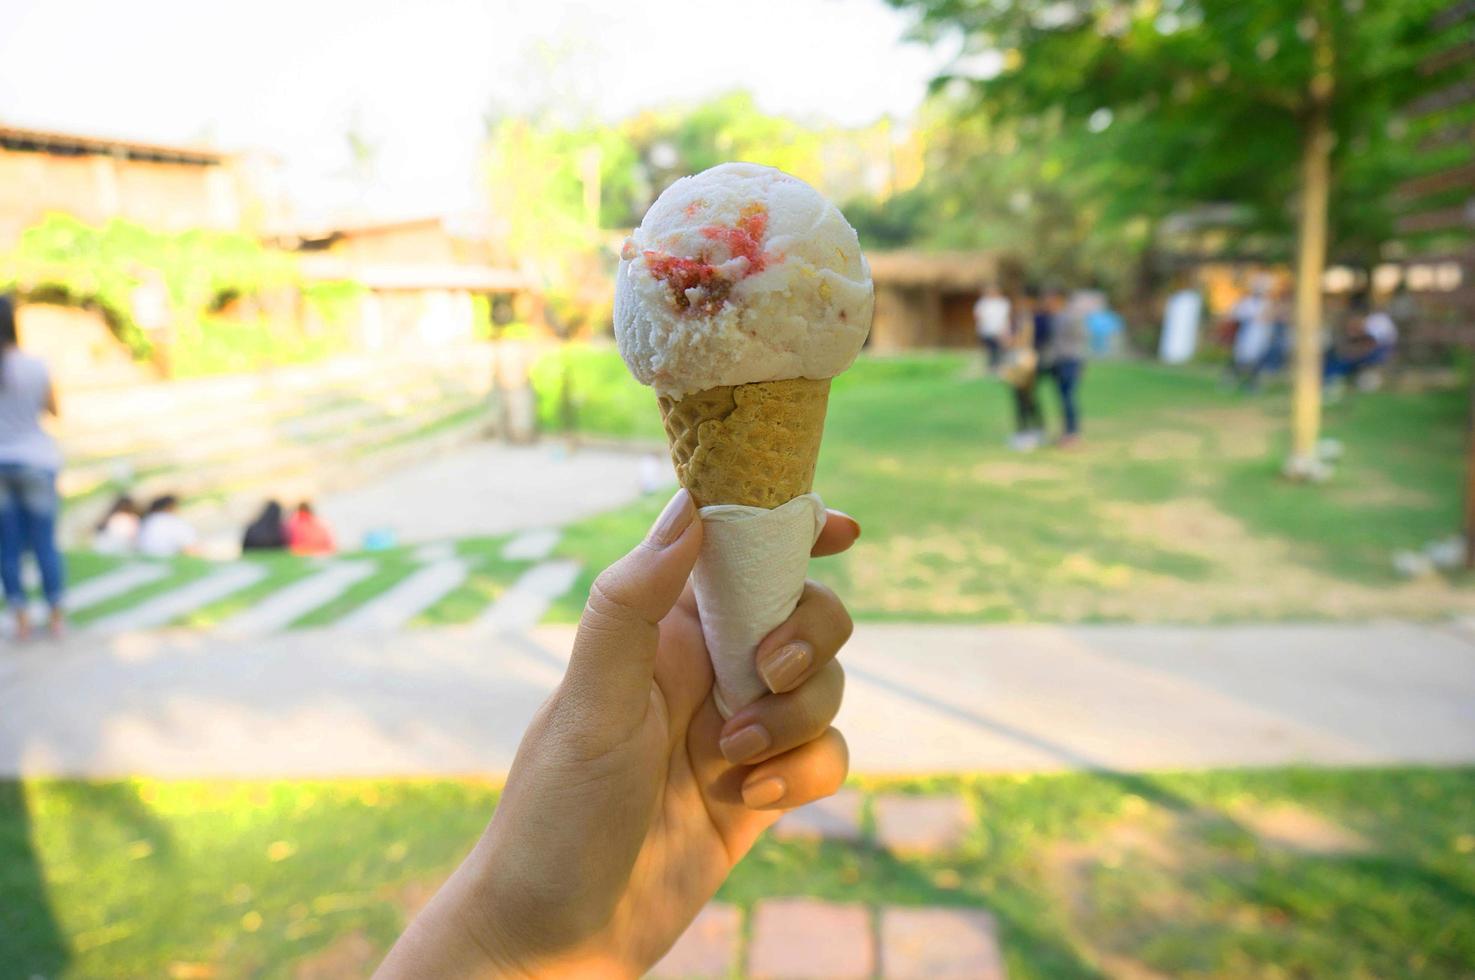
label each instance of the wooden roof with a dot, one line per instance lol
(960, 271)
(76, 144)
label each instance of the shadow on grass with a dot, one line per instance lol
(31, 943)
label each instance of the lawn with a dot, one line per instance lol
(1235, 873)
(1173, 511)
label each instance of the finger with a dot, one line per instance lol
(811, 772)
(838, 534)
(804, 642)
(774, 724)
(609, 672)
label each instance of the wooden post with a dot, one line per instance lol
(1470, 482)
(1311, 258)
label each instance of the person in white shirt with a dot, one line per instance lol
(1180, 326)
(1254, 322)
(29, 463)
(1371, 338)
(991, 321)
(163, 533)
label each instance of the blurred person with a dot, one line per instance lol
(1253, 332)
(267, 532)
(1181, 319)
(1064, 357)
(163, 533)
(1019, 369)
(117, 532)
(29, 463)
(307, 534)
(1105, 330)
(631, 799)
(1369, 342)
(991, 322)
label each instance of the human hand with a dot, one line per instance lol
(630, 799)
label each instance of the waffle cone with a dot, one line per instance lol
(753, 444)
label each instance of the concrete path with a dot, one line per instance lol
(406, 599)
(490, 489)
(124, 578)
(534, 545)
(523, 605)
(169, 606)
(280, 609)
(919, 699)
(90, 592)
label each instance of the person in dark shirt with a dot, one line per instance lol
(267, 532)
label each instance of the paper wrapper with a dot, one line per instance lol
(748, 580)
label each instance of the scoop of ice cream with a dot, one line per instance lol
(738, 274)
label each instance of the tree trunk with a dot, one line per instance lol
(1311, 261)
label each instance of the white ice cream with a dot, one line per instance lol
(738, 274)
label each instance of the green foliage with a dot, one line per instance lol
(595, 384)
(200, 275)
(1204, 100)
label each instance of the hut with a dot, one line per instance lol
(925, 299)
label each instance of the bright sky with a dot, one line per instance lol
(290, 75)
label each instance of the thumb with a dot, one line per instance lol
(610, 670)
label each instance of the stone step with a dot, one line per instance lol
(526, 602)
(532, 545)
(407, 599)
(280, 609)
(162, 609)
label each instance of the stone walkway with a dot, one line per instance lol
(166, 607)
(280, 609)
(402, 603)
(490, 489)
(809, 938)
(919, 699)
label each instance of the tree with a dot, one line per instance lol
(1216, 100)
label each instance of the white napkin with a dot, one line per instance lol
(748, 580)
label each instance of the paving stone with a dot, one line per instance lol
(280, 609)
(524, 604)
(832, 818)
(534, 545)
(804, 939)
(393, 609)
(922, 824)
(709, 947)
(162, 609)
(939, 944)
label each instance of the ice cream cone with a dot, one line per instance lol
(752, 444)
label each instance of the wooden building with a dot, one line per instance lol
(95, 178)
(925, 299)
(428, 280)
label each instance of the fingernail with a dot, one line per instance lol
(675, 519)
(854, 524)
(745, 743)
(782, 668)
(764, 792)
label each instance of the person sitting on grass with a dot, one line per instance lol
(307, 534)
(631, 798)
(117, 532)
(267, 532)
(1371, 337)
(163, 533)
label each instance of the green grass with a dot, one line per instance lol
(1087, 874)
(282, 570)
(183, 570)
(393, 567)
(1173, 511)
(489, 577)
